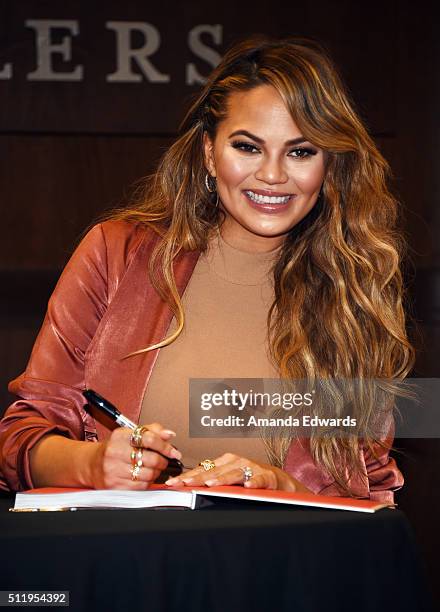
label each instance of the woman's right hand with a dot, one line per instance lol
(111, 464)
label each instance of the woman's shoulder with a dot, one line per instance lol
(116, 239)
(118, 232)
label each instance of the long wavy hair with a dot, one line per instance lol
(337, 309)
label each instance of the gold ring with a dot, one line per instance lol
(207, 464)
(136, 457)
(136, 436)
(135, 472)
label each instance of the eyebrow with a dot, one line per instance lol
(288, 143)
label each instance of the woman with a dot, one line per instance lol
(271, 217)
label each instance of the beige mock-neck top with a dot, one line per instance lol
(226, 303)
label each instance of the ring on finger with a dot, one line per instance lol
(136, 436)
(247, 473)
(207, 464)
(135, 469)
(136, 457)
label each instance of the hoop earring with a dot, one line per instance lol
(208, 184)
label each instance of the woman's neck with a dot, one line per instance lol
(244, 240)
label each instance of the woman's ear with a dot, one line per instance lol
(208, 151)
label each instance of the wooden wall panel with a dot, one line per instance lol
(16, 340)
(54, 186)
(361, 35)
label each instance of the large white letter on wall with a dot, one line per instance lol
(125, 53)
(193, 77)
(46, 48)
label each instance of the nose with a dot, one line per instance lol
(272, 171)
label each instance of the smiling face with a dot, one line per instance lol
(268, 175)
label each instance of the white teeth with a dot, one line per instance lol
(267, 199)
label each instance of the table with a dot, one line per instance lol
(229, 558)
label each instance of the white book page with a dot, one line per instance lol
(106, 498)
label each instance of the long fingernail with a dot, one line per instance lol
(212, 483)
(172, 481)
(176, 454)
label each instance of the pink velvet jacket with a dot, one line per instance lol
(103, 308)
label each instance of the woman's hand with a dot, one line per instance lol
(111, 464)
(228, 471)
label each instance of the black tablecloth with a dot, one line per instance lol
(225, 559)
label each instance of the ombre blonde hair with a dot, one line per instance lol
(338, 307)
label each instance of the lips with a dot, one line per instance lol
(268, 207)
(272, 199)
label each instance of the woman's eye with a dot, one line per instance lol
(302, 152)
(245, 146)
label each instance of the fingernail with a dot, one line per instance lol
(170, 432)
(171, 481)
(176, 454)
(187, 480)
(212, 483)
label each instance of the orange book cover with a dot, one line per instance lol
(292, 498)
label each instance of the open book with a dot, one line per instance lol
(160, 496)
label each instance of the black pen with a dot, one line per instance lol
(110, 410)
